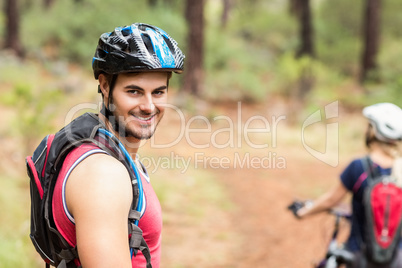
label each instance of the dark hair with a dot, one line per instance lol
(111, 80)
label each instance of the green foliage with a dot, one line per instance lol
(268, 26)
(338, 34)
(249, 59)
(34, 104)
(71, 31)
(12, 70)
(12, 248)
(328, 85)
(289, 69)
(287, 72)
(34, 112)
(233, 72)
(391, 69)
(15, 247)
(240, 57)
(335, 22)
(390, 19)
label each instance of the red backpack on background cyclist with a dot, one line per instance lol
(383, 212)
(383, 195)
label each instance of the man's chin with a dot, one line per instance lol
(139, 132)
(139, 136)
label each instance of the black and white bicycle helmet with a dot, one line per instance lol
(135, 48)
(386, 119)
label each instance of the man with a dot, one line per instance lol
(93, 193)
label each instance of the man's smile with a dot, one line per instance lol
(145, 119)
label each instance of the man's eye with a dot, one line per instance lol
(159, 92)
(133, 91)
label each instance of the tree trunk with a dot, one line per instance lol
(301, 9)
(152, 3)
(371, 38)
(26, 5)
(194, 72)
(168, 2)
(12, 36)
(48, 3)
(225, 12)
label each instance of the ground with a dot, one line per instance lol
(256, 230)
(228, 208)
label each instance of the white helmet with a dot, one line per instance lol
(386, 118)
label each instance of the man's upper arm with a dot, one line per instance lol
(99, 196)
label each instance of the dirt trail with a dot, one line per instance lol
(264, 233)
(271, 237)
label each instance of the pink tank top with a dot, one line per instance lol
(151, 214)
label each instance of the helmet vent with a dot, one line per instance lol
(148, 43)
(126, 31)
(169, 43)
(389, 127)
(101, 53)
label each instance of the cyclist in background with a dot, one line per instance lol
(383, 141)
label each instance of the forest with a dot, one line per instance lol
(305, 49)
(272, 57)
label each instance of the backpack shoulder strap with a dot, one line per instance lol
(371, 170)
(397, 171)
(81, 129)
(137, 241)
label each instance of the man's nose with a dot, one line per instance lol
(147, 105)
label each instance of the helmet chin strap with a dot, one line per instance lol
(108, 114)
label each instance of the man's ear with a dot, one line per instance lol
(104, 85)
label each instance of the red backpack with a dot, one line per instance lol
(383, 214)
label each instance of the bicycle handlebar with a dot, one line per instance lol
(295, 207)
(334, 253)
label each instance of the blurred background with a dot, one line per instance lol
(267, 58)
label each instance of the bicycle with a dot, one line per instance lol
(335, 255)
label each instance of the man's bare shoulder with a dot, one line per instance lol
(100, 163)
(99, 196)
(99, 180)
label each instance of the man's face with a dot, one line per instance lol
(138, 102)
